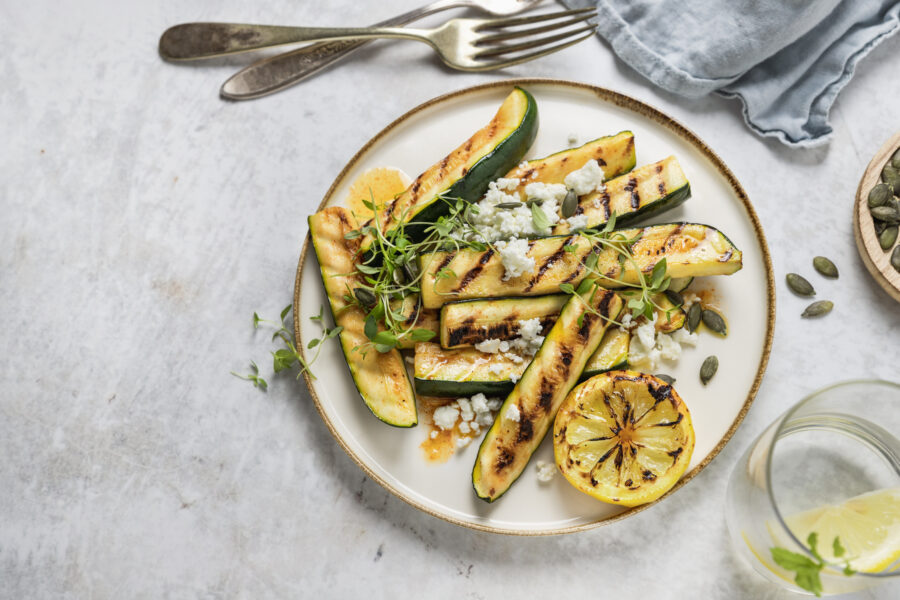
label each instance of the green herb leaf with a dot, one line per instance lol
(611, 223)
(567, 288)
(813, 542)
(584, 286)
(364, 268)
(539, 218)
(571, 248)
(836, 547)
(658, 274)
(421, 335)
(590, 261)
(386, 338)
(313, 343)
(318, 317)
(333, 332)
(792, 561)
(371, 327)
(352, 235)
(256, 321)
(383, 348)
(580, 319)
(287, 309)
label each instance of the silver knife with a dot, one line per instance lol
(278, 72)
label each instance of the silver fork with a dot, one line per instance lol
(275, 73)
(464, 44)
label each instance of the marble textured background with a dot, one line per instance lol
(144, 220)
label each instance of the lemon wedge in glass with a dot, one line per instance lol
(868, 527)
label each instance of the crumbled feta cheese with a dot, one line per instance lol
(514, 378)
(463, 441)
(646, 334)
(530, 338)
(480, 403)
(585, 180)
(475, 426)
(572, 140)
(465, 410)
(514, 357)
(523, 165)
(495, 369)
(690, 298)
(550, 194)
(577, 222)
(507, 184)
(433, 434)
(514, 255)
(464, 427)
(627, 322)
(685, 337)
(668, 348)
(512, 413)
(545, 471)
(493, 403)
(492, 346)
(445, 416)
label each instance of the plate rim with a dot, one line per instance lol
(623, 101)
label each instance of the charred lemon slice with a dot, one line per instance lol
(623, 437)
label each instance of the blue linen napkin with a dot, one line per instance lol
(785, 59)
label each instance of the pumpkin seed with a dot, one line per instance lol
(888, 237)
(570, 203)
(880, 226)
(895, 159)
(888, 214)
(674, 297)
(818, 308)
(799, 285)
(532, 201)
(365, 297)
(667, 378)
(895, 259)
(888, 172)
(709, 368)
(714, 321)
(508, 205)
(693, 317)
(894, 183)
(399, 276)
(825, 267)
(879, 195)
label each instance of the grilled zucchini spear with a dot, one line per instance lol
(690, 250)
(381, 378)
(554, 371)
(466, 172)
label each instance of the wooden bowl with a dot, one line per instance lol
(877, 261)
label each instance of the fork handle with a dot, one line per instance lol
(275, 73)
(190, 41)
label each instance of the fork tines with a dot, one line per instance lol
(564, 19)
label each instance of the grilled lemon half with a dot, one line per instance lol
(623, 437)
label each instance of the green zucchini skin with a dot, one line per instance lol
(462, 389)
(502, 155)
(508, 445)
(690, 249)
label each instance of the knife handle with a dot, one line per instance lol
(278, 72)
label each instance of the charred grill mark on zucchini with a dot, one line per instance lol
(631, 187)
(474, 271)
(526, 430)
(548, 262)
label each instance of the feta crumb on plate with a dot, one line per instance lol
(578, 222)
(545, 471)
(445, 416)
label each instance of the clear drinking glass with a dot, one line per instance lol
(830, 464)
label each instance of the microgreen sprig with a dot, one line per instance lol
(287, 356)
(640, 295)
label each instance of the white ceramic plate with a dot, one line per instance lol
(422, 136)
